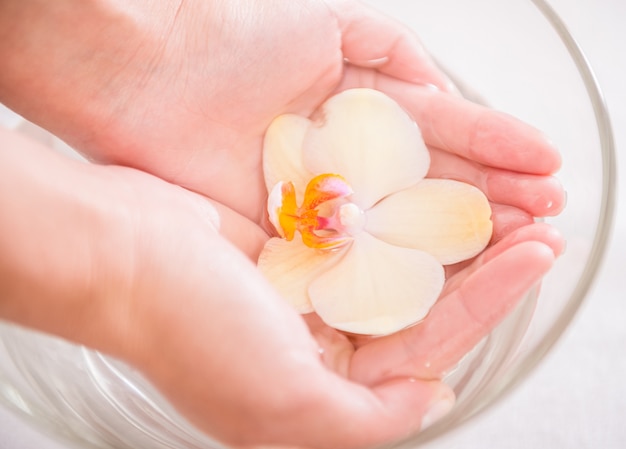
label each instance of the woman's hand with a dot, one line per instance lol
(214, 337)
(186, 90)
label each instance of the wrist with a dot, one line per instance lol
(58, 272)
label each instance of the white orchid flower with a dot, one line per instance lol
(375, 233)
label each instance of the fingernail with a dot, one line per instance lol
(437, 410)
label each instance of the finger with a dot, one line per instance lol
(536, 232)
(373, 40)
(507, 219)
(539, 195)
(458, 321)
(473, 131)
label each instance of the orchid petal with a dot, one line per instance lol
(448, 219)
(370, 140)
(282, 153)
(377, 288)
(291, 266)
(282, 209)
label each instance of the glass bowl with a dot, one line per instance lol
(518, 57)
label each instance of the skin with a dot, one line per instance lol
(171, 100)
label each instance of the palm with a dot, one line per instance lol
(203, 128)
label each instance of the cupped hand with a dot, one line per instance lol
(215, 338)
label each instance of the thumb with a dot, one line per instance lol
(372, 39)
(356, 416)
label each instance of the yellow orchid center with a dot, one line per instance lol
(326, 219)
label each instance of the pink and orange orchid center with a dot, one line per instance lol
(326, 219)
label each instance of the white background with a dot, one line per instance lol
(577, 397)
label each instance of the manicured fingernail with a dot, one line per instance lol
(437, 410)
